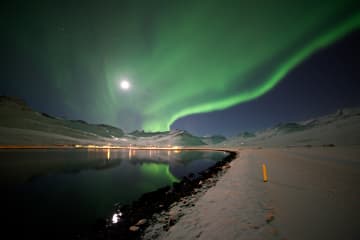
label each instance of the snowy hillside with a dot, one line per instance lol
(173, 138)
(20, 125)
(340, 128)
(213, 139)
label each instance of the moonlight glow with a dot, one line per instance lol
(212, 57)
(125, 85)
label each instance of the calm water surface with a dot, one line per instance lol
(62, 191)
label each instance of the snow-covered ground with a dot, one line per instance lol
(311, 193)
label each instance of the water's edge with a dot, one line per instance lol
(134, 218)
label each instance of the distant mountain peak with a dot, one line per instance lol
(338, 128)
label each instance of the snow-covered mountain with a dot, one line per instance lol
(214, 139)
(340, 128)
(173, 138)
(19, 124)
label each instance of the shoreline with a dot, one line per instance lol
(75, 146)
(162, 222)
(310, 194)
(308, 187)
(139, 214)
(135, 217)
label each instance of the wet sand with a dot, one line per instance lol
(312, 193)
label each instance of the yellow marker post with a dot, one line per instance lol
(265, 177)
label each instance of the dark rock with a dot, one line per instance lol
(141, 222)
(270, 217)
(329, 145)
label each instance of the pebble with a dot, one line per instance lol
(141, 222)
(225, 166)
(172, 220)
(270, 217)
(134, 228)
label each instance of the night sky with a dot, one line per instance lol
(204, 66)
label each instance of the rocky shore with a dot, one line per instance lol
(161, 222)
(310, 194)
(157, 211)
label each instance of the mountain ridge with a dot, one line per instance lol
(19, 124)
(340, 128)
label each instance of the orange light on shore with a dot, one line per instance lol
(108, 154)
(176, 149)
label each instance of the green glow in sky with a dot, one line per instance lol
(276, 75)
(180, 57)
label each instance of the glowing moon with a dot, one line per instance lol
(125, 85)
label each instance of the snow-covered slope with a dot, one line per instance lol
(340, 128)
(213, 139)
(173, 138)
(20, 125)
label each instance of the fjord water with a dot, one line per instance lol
(63, 191)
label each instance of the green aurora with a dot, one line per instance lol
(158, 171)
(181, 57)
